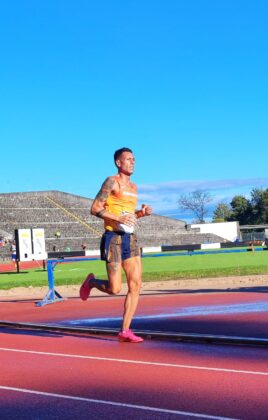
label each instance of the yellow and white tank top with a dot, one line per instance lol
(125, 200)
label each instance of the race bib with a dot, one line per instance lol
(125, 228)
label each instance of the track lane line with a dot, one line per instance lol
(114, 403)
(137, 362)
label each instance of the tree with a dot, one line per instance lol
(221, 213)
(259, 203)
(241, 210)
(265, 205)
(196, 202)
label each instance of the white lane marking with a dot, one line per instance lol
(116, 404)
(137, 362)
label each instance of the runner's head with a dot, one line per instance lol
(124, 160)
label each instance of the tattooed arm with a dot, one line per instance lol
(98, 205)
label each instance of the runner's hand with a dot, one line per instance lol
(146, 210)
(128, 219)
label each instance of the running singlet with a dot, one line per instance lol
(125, 200)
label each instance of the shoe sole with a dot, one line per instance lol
(85, 289)
(127, 340)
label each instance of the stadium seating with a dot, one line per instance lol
(69, 214)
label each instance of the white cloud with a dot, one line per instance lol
(164, 196)
(210, 185)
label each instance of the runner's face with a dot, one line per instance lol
(126, 163)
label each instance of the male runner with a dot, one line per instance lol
(116, 204)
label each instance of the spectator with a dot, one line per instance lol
(13, 250)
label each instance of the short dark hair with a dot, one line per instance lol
(119, 152)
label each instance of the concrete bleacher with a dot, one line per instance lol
(69, 214)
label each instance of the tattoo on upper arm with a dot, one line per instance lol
(106, 189)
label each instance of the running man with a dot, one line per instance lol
(116, 204)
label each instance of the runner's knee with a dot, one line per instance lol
(114, 289)
(134, 286)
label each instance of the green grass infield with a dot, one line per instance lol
(154, 268)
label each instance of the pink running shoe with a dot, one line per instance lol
(85, 289)
(128, 335)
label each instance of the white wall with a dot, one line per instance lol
(150, 249)
(92, 253)
(211, 246)
(226, 230)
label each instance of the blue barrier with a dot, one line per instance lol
(52, 295)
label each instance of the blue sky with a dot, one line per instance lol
(184, 84)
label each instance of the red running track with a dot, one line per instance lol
(226, 313)
(68, 376)
(25, 265)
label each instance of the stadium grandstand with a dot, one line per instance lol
(69, 226)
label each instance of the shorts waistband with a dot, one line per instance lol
(117, 232)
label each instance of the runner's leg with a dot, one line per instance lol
(113, 285)
(133, 269)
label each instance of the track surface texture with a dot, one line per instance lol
(80, 376)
